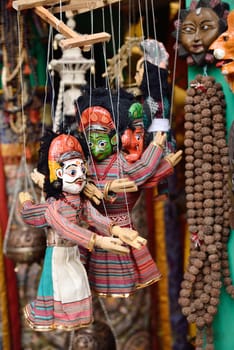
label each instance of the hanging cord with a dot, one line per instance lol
(50, 77)
(205, 71)
(118, 118)
(159, 72)
(107, 80)
(146, 69)
(147, 18)
(23, 117)
(175, 64)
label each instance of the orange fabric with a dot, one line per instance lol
(164, 323)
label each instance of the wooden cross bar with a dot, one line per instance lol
(72, 39)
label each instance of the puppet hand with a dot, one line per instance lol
(111, 244)
(38, 178)
(128, 236)
(160, 139)
(93, 193)
(24, 196)
(174, 158)
(122, 185)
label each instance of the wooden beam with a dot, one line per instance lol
(73, 39)
(84, 40)
(79, 6)
(28, 4)
(83, 6)
(59, 25)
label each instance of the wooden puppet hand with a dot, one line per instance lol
(93, 193)
(111, 244)
(38, 178)
(174, 158)
(160, 139)
(128, 236)
(24, 196)
(122, 185)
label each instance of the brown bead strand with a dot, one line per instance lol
(208, 205)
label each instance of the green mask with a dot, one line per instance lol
(100, 145)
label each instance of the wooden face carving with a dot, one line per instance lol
(223, 48)
(199, 29)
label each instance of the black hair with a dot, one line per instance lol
(154, 82)
(117, 103)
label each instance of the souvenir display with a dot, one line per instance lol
(196, 29)
(64, 298)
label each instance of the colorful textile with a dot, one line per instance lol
(64, 298)
(117, 275)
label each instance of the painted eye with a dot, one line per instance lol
(83, 168)
(72, 172)
(138, 137)
(102, 144)
(188, 30)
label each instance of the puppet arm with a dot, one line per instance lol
(80, 235)
(128, 236)
(117, 186)
(32, 214)
(93, 193)
(144, 168)
(106, 226)
(165, 169)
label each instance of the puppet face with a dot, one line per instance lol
(73, 175)
(199, 29)
(133, 144)
(100, 144)
(139, 71)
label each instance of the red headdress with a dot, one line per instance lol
(63, 147)
(96, 118)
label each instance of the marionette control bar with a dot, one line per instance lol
(72, 39)
(78, 6)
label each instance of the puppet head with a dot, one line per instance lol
(102, 117)
(198, 27)
(223, 48)
(66, 162)
(99, 128)
(62, 161)
(133, 137)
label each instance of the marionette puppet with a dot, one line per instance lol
(152, 79)
(197, 28)
(135, 139)
(64, 298)
(98, 116)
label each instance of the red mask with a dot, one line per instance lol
(223, 48)
(133, 144)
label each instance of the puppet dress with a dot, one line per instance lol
(121, 275)
(63, 298)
